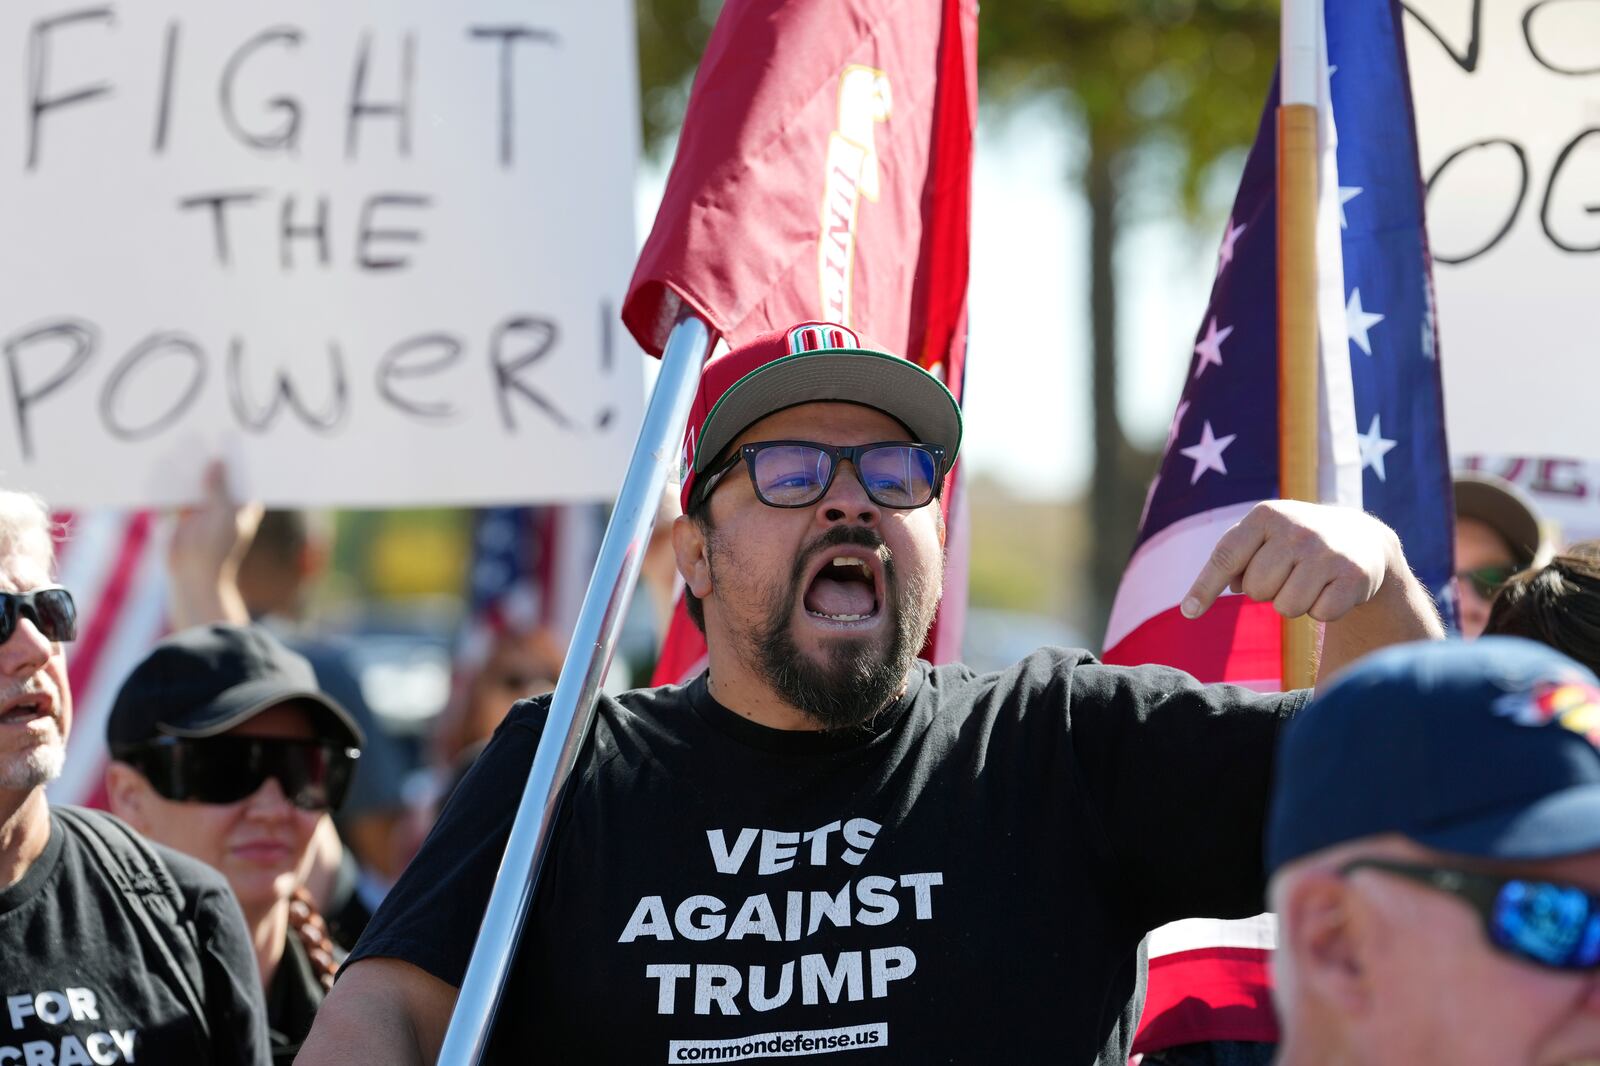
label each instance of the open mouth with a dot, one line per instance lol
(847, 588)
(25, 710)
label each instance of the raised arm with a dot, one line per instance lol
(1336, 564)
(381, 1010)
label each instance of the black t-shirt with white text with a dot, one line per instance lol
(967, 880)
(80, 985)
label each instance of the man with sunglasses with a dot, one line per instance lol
(823, 845)
(225, 748)
(111, 949)
(1435, 853)
(1498, 533)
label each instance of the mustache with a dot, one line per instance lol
(842, 537)
(29, 686)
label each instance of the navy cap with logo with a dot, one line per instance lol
(204, 681)
(1488, 749)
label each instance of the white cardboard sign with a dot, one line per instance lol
(371, 252)
(1507, 96)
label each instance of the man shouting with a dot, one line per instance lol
(825, 846)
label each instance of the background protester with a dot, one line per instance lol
(1556, 604)
(1498, 532)
(224, 748)
(111, 949)
(1435, 852)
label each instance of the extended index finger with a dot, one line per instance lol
(1227, 561)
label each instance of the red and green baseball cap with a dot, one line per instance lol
(809, 363)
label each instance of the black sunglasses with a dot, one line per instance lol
(1549, 924)
(51, 609)
(314, 774)
(1487, 580)
(796, 473)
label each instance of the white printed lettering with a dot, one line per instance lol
(123, 1038)
(755, 918)
(922, 885)
(845, 975)
(649, 919)
(878, 893)
(667, 998)
(72, 1053)
(38, 1053)
(683, 919)
(859, 833)
(51, 1007)
(101, 1049)
(729, 862)
(791, 923)
(890, 964)
(834, 908)
(758, 987)
(83, 1003)
(716, 984)
(19, 1007)
(819, 842)
(777, 851)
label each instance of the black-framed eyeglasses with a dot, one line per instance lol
(796, 473)
(51, 609)
(314, 774)
(1487, 580)
(1542, 922)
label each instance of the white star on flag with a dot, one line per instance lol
(1346, 194)
(1207, 454)
(1374, 447)
(1358, 320)
(1210, 347)
(1229, 236)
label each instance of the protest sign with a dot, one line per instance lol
(371, 253)
(1508, 113)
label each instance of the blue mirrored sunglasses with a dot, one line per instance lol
(1541, 922)
(797, 473)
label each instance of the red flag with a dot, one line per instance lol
(824, 172)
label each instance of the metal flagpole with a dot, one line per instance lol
(572, 707)
(1297, 294)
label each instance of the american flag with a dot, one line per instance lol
(1382, 446)
(530, 567)
(114, 564)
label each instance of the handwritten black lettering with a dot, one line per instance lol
(1538, 53)
(397, 365)
(1591, 208)
(286, 135)
(367, 232)
(1468, 59)
(542, 335)
(1516, 207)
(219, 202)
(289, 232)
(80, 338)
(285, 394)
(39, 101)
(176, 344)
(169, 73)
(508, 36)
(361, 107)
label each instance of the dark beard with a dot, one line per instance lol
(857, 679)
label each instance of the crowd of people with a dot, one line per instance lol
(821, 845)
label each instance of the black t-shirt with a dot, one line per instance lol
(966, 881)
(78, 984)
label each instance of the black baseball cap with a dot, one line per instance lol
(1488, 749)
(204, 681)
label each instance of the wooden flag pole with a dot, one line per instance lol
(1297, 295)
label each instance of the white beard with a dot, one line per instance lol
(27, 770)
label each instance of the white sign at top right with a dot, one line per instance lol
(1507, 96)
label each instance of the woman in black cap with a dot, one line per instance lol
(223, 748)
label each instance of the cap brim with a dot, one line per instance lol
(1502, 508)
(1567, 823)
(899, 388)
(244, 701)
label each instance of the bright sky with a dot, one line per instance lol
(1028, 363)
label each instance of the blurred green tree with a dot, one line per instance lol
(1160, 91)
